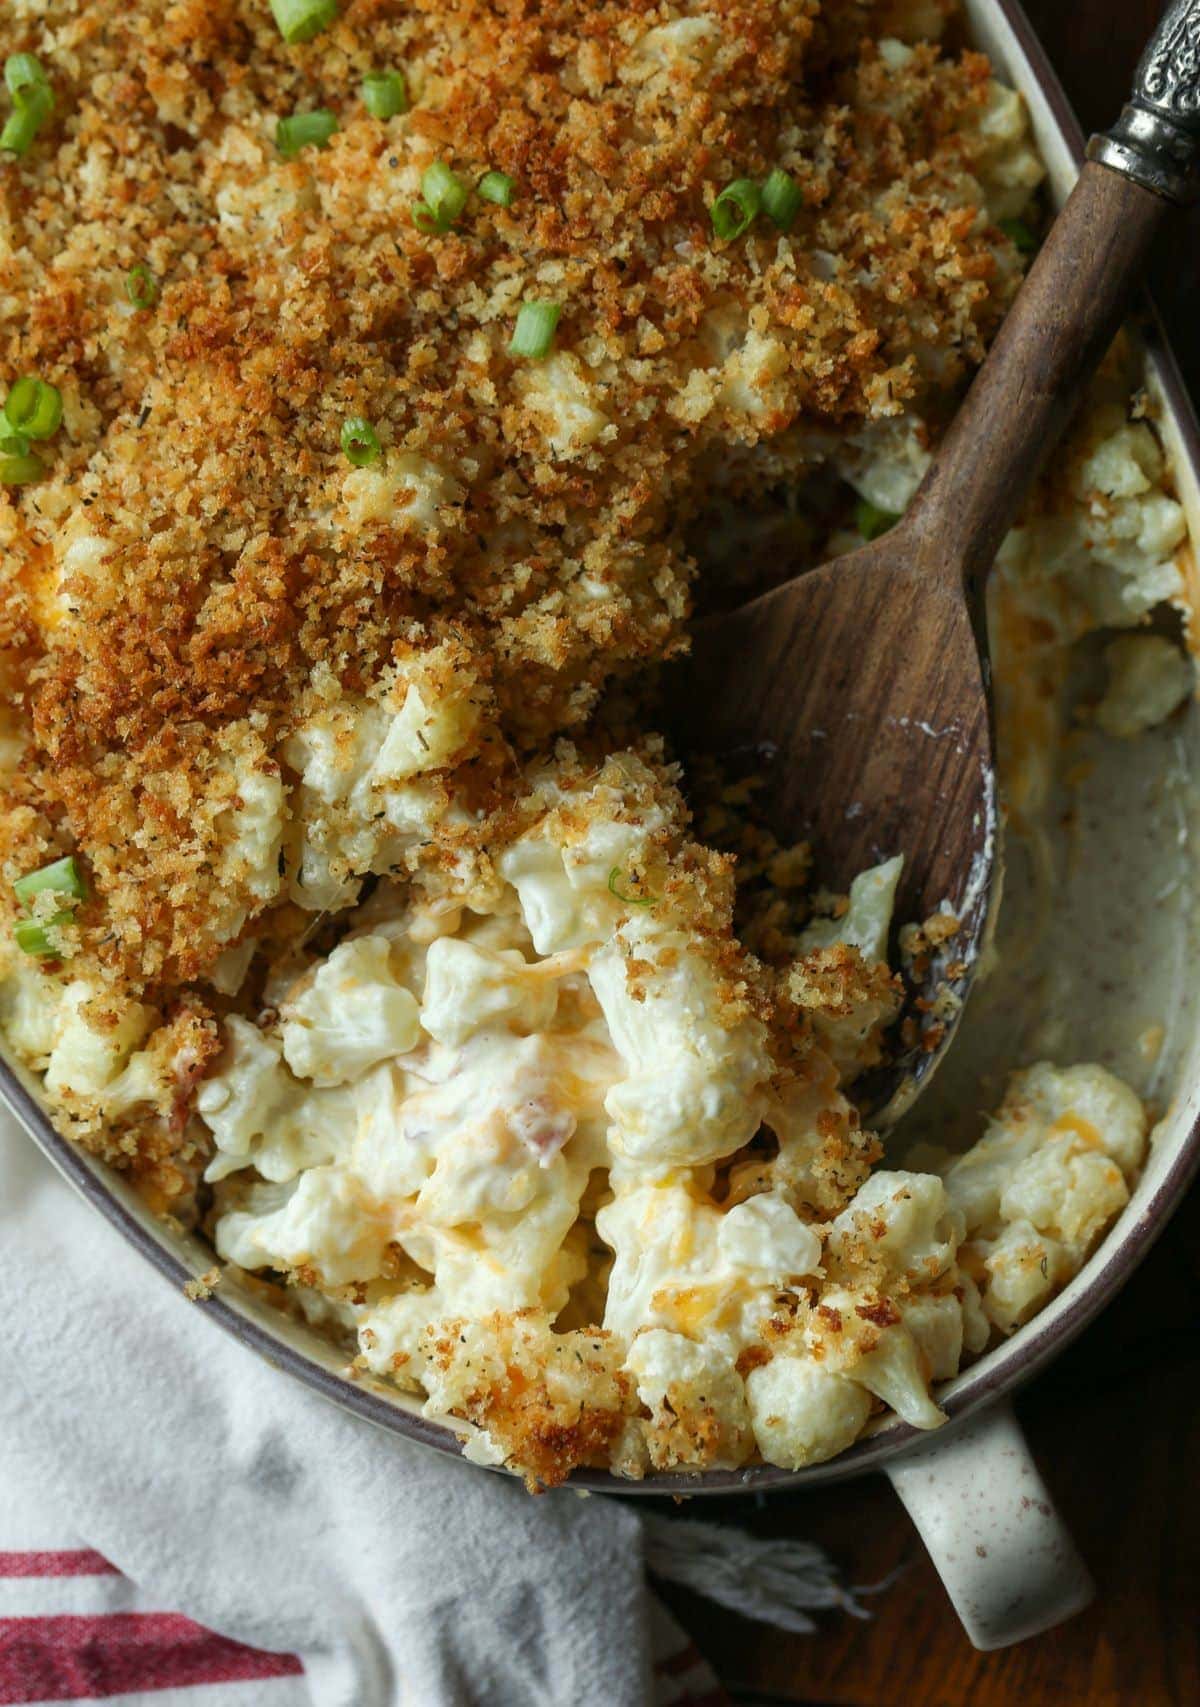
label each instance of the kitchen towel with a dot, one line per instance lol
(234, 1497)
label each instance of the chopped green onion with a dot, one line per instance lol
(31, 934)
(782, 198)
(445, 198)
(17, 466)
(1019, 235)
(871, 521)
(31, 108)
(23, 72)
(385, 94)
(360, 442)
(497, 187)
(304, 130)
(736, 208)
(533, 333)
(34, 409)
(141, 286)
(629, 900)
(301, 20)
(63, 876)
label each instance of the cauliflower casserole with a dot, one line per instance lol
(384, 384)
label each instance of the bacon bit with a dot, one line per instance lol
(542, 1125)
(831, 1317)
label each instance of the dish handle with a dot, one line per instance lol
(983, 1512)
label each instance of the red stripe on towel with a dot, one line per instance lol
(72, 1562)
(86, 1659)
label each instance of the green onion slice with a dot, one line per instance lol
(301, 20)
(141, 286)
(497, 187)
(31, 108)
(360, 442)
(736, 208)
(33, 408)
(614, 877)
(782, 199)
(871, 521)
(533, 333)
(1019, 235)
(385, 94)
(17, 466)
(32, 934)
(24, 72)
(63, 876)
(445, 197)
(304, 130)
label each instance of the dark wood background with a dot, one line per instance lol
(1115, 1423)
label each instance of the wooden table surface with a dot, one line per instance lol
(1115, 1423)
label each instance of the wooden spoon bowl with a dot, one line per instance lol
(860, 692)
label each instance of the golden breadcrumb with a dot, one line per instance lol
(201, 566)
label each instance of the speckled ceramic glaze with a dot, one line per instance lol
(1081, 983)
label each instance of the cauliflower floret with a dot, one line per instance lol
(849, 1002)
(866, 922)
(1066, 1191)
(695, 1088)
(766, 1240)
(327, 1222)
(366, 797)
(696, 1400)
(677, 1267)
(1021, 1270)
(1008, 167)
(247, 829)
(351, 1013)
(1114, 549)
(885, 461)
(30, 1005)
(682, 44)
(469, 988)
(902, 1222)
(1039, 1188)
(95, 1035)
(562, 873)
(1043, 1103)
(802, 1412)
(561, 397)
(259, 1116)
(1148, 678)
(407, 493)
(935, 1321)
(864, 1337)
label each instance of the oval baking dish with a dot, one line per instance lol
(1028, 1576)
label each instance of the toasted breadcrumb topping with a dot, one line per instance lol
(202, 568)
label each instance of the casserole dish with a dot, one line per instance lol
(1145, 912)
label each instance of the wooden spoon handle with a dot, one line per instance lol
(1068, 308)
(1052, 340)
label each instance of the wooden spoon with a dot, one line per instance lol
(863, 685)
